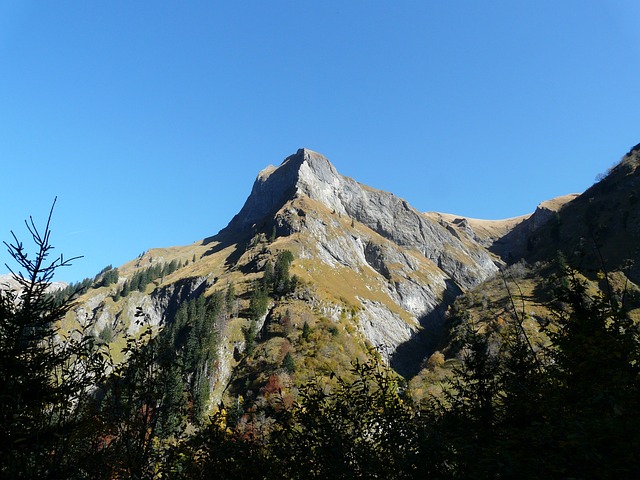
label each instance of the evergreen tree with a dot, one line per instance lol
(360, 429)
(281, 280)
(250, 333)
(134, 282)
(259, 302)
(126, 289)
(594, 370)
(45, 421)
(288, 363)
(230, 300)
(109, 277)
(155, 271)
(144, 402)
(570, 413)
(169, 268)
(268, 277)
(306, 330)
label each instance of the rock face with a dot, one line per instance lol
(365, 259)
(371, 270)
(8, 282)
(409, 265)
(307, 173)
(156, 308)
(521, 239)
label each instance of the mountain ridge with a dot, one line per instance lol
(366, 263)
(311, 174)
(356, 249)
(316, 288)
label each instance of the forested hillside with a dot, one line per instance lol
(315, 341)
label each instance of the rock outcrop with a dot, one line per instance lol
(521, 239)
(409, 265)
(154, 309)
(307, 173)
(370, 269)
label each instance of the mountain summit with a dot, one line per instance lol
(318, 268)
(318, 277)
(403, 267)
(304, 172)
(309, 174)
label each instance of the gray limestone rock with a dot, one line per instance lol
(418, 262)
(309, 173)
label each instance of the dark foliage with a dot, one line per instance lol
(570, 410)
(140, 279)
(46, 428)
(108, 276)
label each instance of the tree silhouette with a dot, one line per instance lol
(45, 372)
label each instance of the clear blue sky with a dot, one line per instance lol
(150, 120)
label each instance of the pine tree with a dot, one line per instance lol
(259, 302)
(268, 277)
(288, 363)
(281, 280)
(45, 427)
(306, 330)
(250, 333)
(109, 277)
(230, 300)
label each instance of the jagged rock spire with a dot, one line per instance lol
(309, 173)
(302, 172)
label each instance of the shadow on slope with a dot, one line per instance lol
(225, 239)
(408, 357)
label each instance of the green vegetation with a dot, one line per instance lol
(46, 429)
(283, 283)
(140, 279)
(110, 276)
(72, 290)
(66, 409)
(513, 408)
(568, 411)
(192, 337)
(107, 276)
(306, 330)
(250, 333)
(230, 301)
(276, 280)
(288, 363)
(259, 302)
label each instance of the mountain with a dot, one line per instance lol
(368, 270)
(600, 229)
(8, 281)
(502, 237)
(595, 233)
(260, 351)
(309, 177)
(396, 266)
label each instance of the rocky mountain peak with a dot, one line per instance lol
(305, 172)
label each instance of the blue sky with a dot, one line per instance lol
(150, 120)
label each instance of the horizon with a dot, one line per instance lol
(150, 122)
